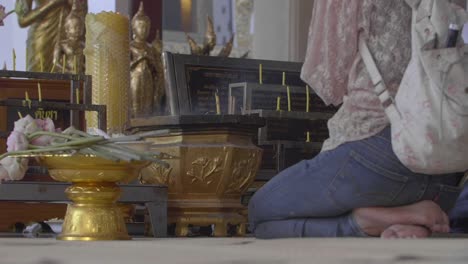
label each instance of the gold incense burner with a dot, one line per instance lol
(213, 163)
(93, 213)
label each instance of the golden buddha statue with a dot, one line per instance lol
(143, 67)
(46, 23)
(68, 52)
(160, 90)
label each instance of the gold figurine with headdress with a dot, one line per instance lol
(209, 42)
(146, 94)
(68, 52)
(45, 21)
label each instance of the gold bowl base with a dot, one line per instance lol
(93, 215)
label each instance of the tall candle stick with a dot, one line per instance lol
(27, 55)
(278, 103)
(14, 60)
(63, 63)
(74, 65)
(107, 61)
(284, 78)
(308, 136)
(289, 98)
(307, 99)
(26, 95)
(53, 67)
(39, 92)
(218, 107)
(77, 96)
(260, 74)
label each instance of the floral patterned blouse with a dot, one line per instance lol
(333, 66)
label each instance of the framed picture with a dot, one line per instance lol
(192, 81)
(57, 88)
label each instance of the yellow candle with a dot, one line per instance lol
(308, 136)
(27, 55)
(20, 115)
(77, 96)
(39, 92)
(260, 74)
(42, 63)
(74, 65)
(278, 103)
(107, 61)
(53, 67)
(284, 78)
(307, 99)
(26, 95)
(14, 60)
(63, 63)
(289, 98)
(218, 107)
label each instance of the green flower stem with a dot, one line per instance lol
(36, 151)
(52, 134)
(73, 131)
(77, 142)
(91, 151)
(125, 155)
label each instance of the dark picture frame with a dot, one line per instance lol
(192, 79)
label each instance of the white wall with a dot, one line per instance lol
(12, 36)
(271, 30)
(281, 29)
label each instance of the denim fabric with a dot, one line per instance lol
(314, 198)
(459, 214)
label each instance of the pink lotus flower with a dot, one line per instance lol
(43, 125)
(12, 168)
(17, 141)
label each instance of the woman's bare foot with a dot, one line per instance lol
(374, 220)
(405, 231)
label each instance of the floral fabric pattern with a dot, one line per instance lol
(333, 66)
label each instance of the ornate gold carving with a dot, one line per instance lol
(209, 42)
(243, 171)
(159, 173)
(204, 168)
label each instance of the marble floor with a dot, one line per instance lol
(235, 251)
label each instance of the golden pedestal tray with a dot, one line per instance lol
(94, 214)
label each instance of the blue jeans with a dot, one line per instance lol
(315, 198)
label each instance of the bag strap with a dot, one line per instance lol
(379, 85)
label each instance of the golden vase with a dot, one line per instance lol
(93, 213)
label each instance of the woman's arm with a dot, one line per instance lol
(26, 16)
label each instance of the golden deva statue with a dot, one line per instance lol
(145, 68)
(46, 23)
(68, 52)
(209, 43)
